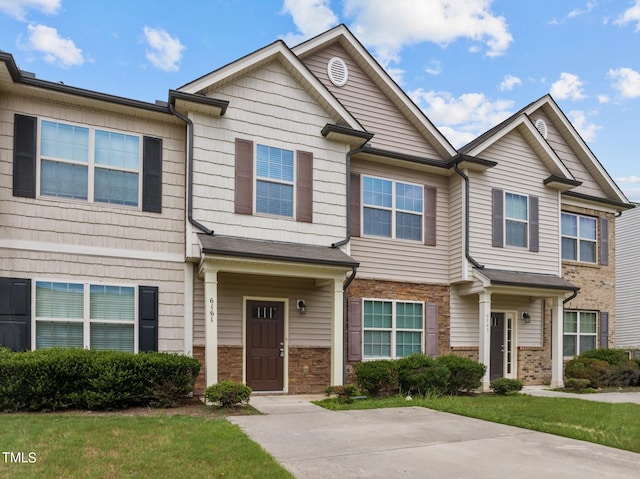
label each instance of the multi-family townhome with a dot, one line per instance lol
(628, 281)
(311, 217)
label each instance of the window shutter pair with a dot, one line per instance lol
(25, 158)
(430, 205)
(497, 222)
(354, 332)
(244, 181)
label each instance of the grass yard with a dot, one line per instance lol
(82, 445)
(615, 425)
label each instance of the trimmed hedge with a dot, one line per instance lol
(53, 379)
(504, 386)
(604, 368)
(228, 393)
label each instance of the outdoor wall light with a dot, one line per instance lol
(302, 306)
(526, 317)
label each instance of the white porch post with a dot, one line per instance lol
(557, 321)
(211, 326)
(337, 334)
(484, 339)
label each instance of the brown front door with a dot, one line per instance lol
(265, 345)
(496, 365)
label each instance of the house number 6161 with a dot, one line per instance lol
(212, 309)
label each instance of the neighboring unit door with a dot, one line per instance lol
(265, 345)
(15, 313)
(496, 364)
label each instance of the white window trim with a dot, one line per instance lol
(393, 328)
(515, 220)
(578, 238)
(257, 178)
(578, 334)
(91, 166)
(393, 210)
(86, 320)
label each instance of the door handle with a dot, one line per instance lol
(282, 352)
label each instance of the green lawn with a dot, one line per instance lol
(132, 446)
(615, 425)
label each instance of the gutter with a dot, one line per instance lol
(467, 254)
(189, 124)
(573, 295)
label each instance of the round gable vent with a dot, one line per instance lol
(541, 126)
(337, 71)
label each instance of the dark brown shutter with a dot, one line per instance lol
(354, 338)
(430, 195)
(604, 329)
(24, 156)
(15, 313)
(244, 177)
(304, 186)
(604, 241)
(534, 225)
(152, 174)
(431, 330)
(147, 318)
(355, 204)
(497, 208)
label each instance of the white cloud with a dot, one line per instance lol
(628, 180)
(509, 82)
(387, 26)
(434, 68)
(632, 15)
(18, 8)
(463, 118)
(311, 18)
(603, 99)
(626, 81)
(588, 131)
(57, 50)
(630, 187)
(165, 51)
(581, 11)
(568, 86)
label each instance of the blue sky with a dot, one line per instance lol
(467, 63)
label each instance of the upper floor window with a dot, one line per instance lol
(515, 220)
(516, 217)
(580, 331)
(89, 164)
(274, 181)
(392, 209)
(579, 238)
(392, 329)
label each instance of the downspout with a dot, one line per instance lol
(189, 123)
(575, 293)
(354, 269)
(466, 217)
(348, 169)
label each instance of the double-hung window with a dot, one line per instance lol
(516, 215)
(274, 181)
(580, 331)
(579, 238)
(392, 209)
(85, 315)
(89, 164)
(392, 329)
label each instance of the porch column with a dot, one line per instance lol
(557, 336)
(337, 334)
(211, 326)
(484, 338)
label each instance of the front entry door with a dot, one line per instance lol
(496, 364)
(265, 345)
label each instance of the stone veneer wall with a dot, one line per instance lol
(309, 370)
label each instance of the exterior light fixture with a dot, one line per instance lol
(301, 305)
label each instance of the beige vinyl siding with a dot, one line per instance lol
(456, 227)
(569, 158)
(76, 222)
(268, 107)
(168, 277)
(312, 329)
(198, 309)
(371, 107)
(513, 154)
(402, 260)
(627, 321)
(464, 324)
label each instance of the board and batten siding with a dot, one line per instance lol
(370, 105)
(312, 329)
(519, 171)
(58, 221)
(627, 321)
(268, 106)
(402, 260)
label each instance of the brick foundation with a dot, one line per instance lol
(198, 389)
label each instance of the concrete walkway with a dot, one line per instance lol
(416, 442)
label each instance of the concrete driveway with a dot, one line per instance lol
(415, 442)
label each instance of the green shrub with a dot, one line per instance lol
(623, 375)
(577, 384)
(59, 378)
(614, 357)
(504, 386)
(5, 350)
(345, 394)
(465, 374)
(595, 370)
(228, 393)
(376, 377)
(421, 375)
